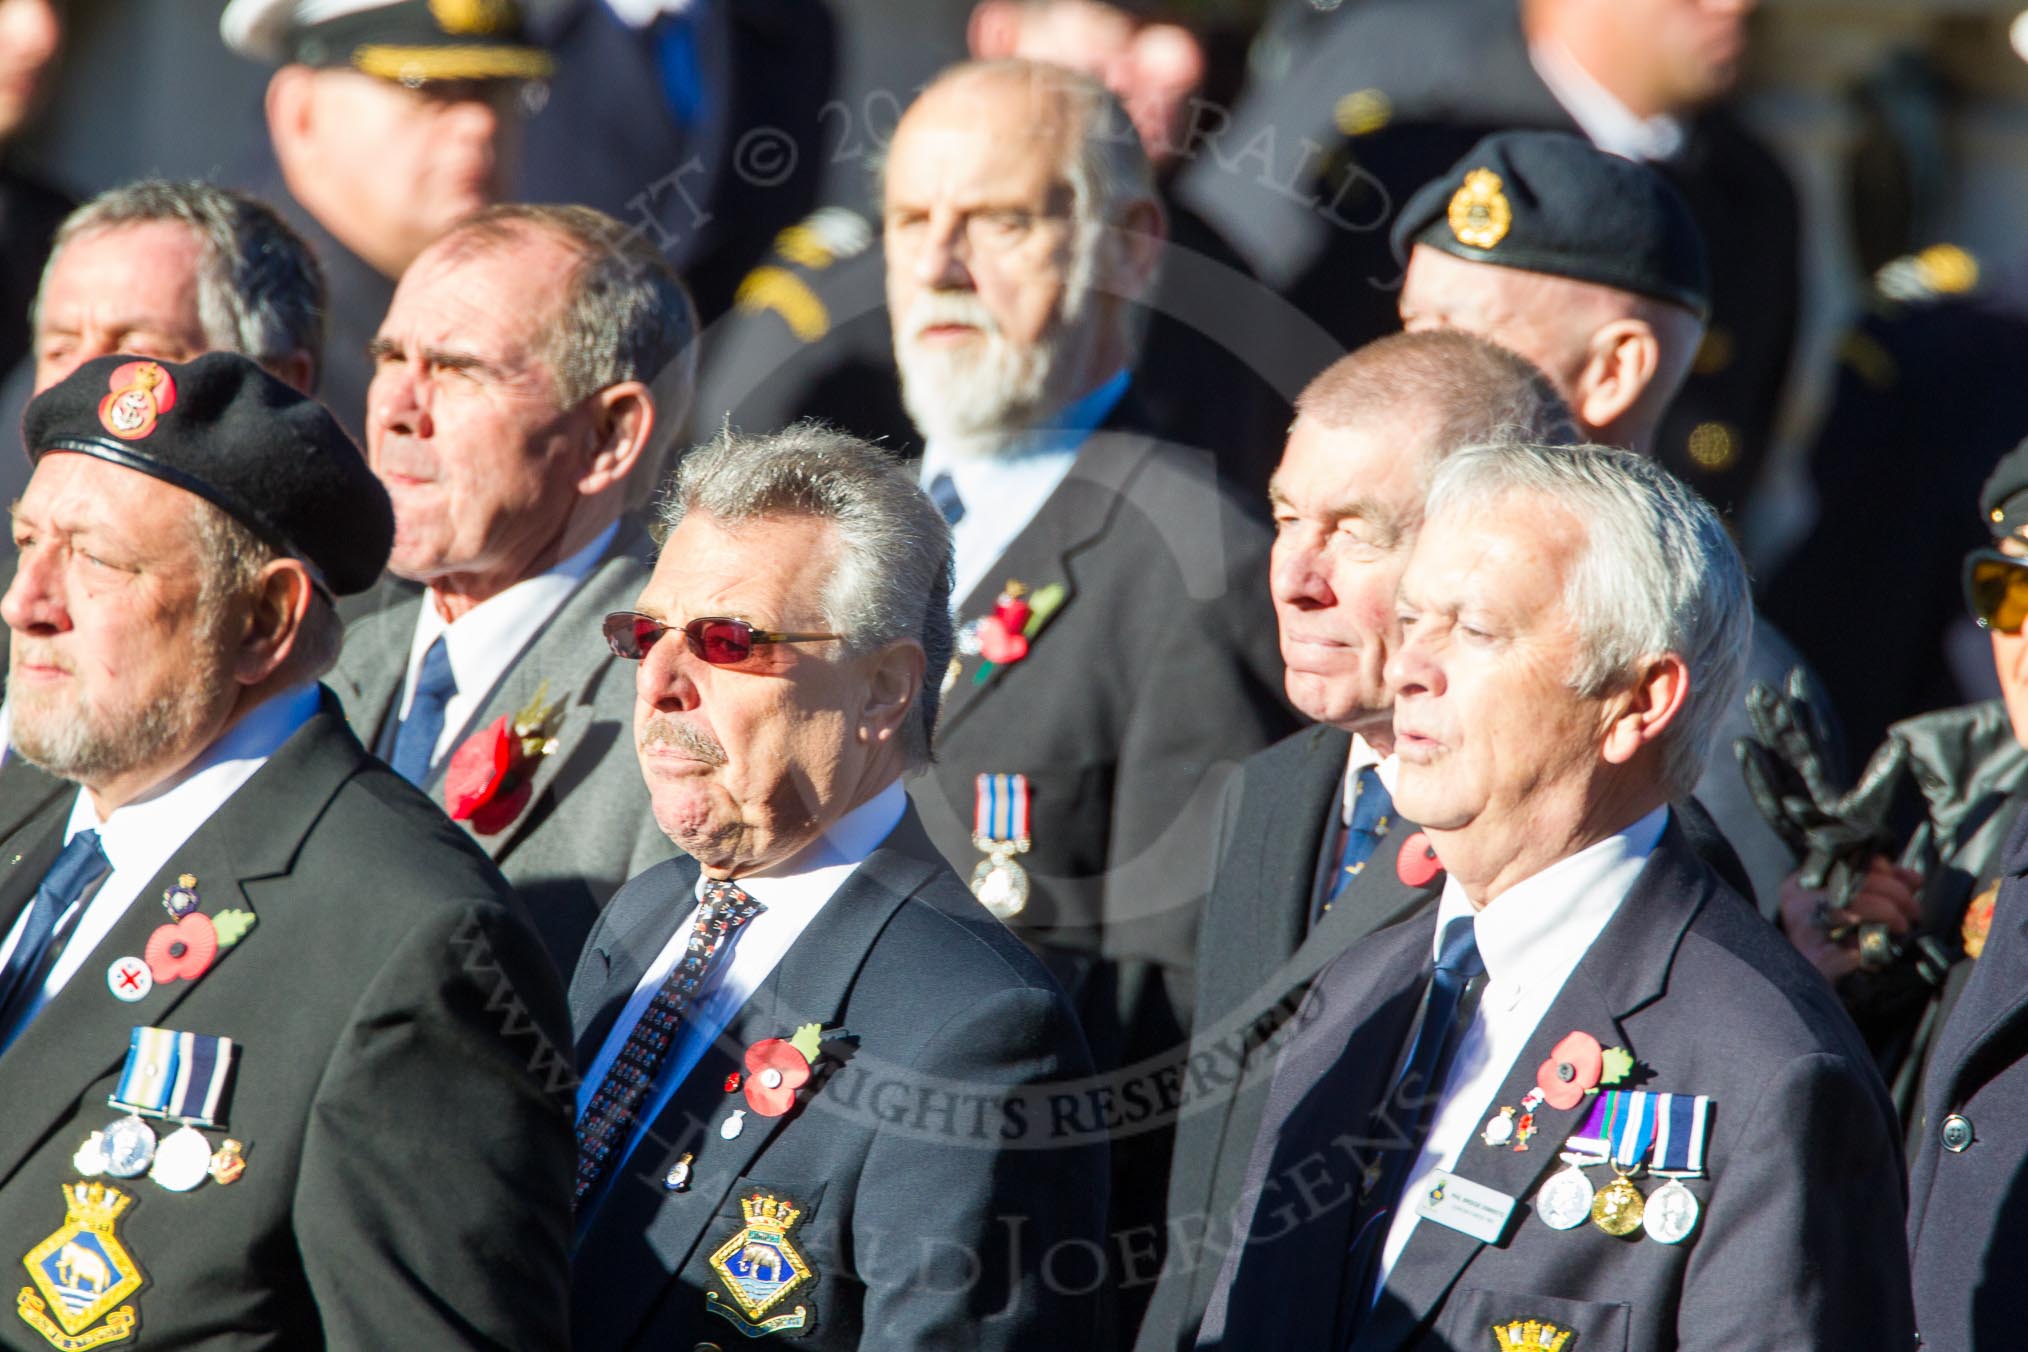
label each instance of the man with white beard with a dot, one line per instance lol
(1116, 655)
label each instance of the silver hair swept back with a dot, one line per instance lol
(893, 580)
(1659, 574)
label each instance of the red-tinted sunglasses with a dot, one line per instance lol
(717, 639)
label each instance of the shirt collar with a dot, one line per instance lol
(1598, 112)
(1061, 438)
(1540, 928)
(172, 811)
(1364, 756)
(493, 631)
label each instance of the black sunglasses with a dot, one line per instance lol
(717, 639)
(1996, 589)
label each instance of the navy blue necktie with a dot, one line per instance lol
(81, 864)
(1400, 1124)
(415, 745)
(675, 44)
(1372, 815)
(943, 491)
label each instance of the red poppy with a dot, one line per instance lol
(775, 1070)
(182, 949)
(1571, 1071)
(1000, 643)
(1417, 863)
(732, 1083)
(485, 782)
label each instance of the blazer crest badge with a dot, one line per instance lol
(82, 1274)
(759, 1267)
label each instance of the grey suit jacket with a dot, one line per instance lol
(1256, 955)
(587, 827)
(1802, 1203)
(940, 1206)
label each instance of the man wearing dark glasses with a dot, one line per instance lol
(817, 1072)
(532, 362)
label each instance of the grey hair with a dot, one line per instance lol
(625, 314)
(892, 583)
(1658, 574)
(231, 557)
(260, 290)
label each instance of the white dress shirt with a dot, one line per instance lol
(793, 897)
(483, 642)
(1364, 757)
(140, 837)
(1610, 124)
(1002, 492)
(1531, 938)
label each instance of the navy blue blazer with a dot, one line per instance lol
(1802, 1200)
(938, 1205)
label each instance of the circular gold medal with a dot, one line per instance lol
(1617, 1209)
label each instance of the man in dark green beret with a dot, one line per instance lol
(280, 1055)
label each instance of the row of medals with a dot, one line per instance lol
(1568, 1200)
(179, 1162)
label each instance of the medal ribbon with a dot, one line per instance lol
(1591, 1137)
(1681, 1121)
(1002, 811)
(172, 1075)
(1630, 1125)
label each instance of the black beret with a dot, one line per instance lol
(412, 41)
(1551, 202)
(2003, 502)
(269, 456)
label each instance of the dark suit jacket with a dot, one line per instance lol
(933, 1184)
(401, 1089)
(1801, 1203)
(1156, 676)
(587, 827)
(1968, 1214)
(1256, 954)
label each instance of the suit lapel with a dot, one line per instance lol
(643, 1233)
(1625, 969)
(564, 662)
(1070, 519)
(83, 1032)
(372, 666)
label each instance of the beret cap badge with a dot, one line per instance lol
(1479, 212)
(141, 393)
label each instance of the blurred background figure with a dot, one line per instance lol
(1306, 175)
(31, 31)
(389, 121)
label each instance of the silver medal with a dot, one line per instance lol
(1671, 1213)
(181, 1160)
(129, 1147)
(1565, 1200)
(90, 1159)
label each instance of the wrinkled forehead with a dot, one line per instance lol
(774, 570)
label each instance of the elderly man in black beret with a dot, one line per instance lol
(279, 1050)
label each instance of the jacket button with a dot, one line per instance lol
(1957, 1133)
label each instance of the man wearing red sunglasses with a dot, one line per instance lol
(533, 360)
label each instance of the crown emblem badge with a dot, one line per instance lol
(759, 1266)
(1534, 1335)
(140, 393)
(1479, 213)
(82, 1273)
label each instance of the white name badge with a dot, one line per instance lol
(1467, 1207)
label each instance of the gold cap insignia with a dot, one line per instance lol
(1480, 213)
(141, 393)
(1534, 1335)
(478, 17)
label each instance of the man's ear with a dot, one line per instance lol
(994, 31)
(1134, 243)
(1653, 702)
(281, 600)
(894, 682)
(623, 421)
(1624, 356)
(288, 104)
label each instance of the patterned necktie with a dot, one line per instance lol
(81, 864)
(1372, 815)
(1400, 1124)
(415, 745)
(608, 1120)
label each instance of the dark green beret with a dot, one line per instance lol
(272, 458)
(1548, 201)
(2003, 502)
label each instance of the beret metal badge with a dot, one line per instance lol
(141, 393)
(1480, 213)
